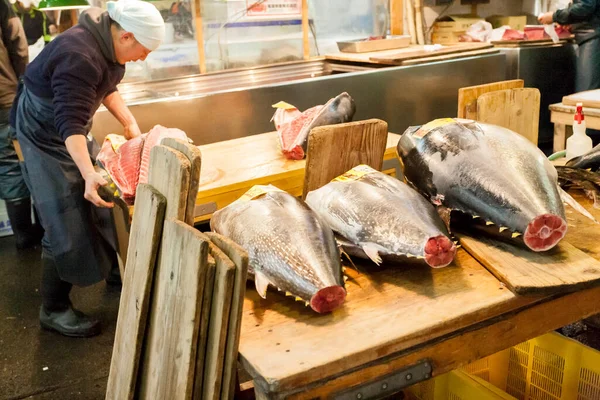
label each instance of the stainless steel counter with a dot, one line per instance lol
(218, 107)
(551, 69)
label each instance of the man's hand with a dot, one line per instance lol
(132, 131)
(93, 181)
(545, 18)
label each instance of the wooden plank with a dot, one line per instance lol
(240, 258)
(203, 331)
(374, 45)
(450, 56)
(195, 157)
(170, 175)
(419, 21)
(146, 230)
(562, 269)
(170, 352)
(467, 96)
(515, 109)
(335, 149)
(218, 325)
(305, 31)
(464, 346)
(397, 17)
(589, 98)
(200, 35)
(404, 56)
(380, 57)
(526, 43)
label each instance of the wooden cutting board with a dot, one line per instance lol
(335, 149)
(171, 344)
(195, 157)
(146, 231)
(515, 109)
(411, 55)
(203, 331)
(467, 96)
(589, 98)
(218, 325)
(240, 258)
(169, 173)
(561, 269)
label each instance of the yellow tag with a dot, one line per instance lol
(284, 105)
(428, 127)
(355, 173)
(258, 190)
(115, 140)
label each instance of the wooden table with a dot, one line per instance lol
(396, 317)
(562, 117)
(232, 167)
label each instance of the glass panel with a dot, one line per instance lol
(338, 20)
(246, 33)
(178, 54)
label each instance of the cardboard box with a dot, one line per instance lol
(517, 22)
(446, 37)
(455, 23)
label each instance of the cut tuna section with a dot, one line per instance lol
(128, 161)
(492, 178)
(293, 134)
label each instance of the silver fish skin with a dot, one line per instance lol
(337, 110)
(288, 246)
(490, 172)
(384, 217)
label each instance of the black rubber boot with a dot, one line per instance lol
(57, 314)
(26, 233)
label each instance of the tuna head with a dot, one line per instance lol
(338, 110)
(487, 172)
(380, 217)
(289, 247)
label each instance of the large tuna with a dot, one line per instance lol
(382, 216)
(289, 247)
(489, 172)
(293, 128)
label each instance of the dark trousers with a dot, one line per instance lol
(55, 292)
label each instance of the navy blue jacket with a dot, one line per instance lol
(77, 70)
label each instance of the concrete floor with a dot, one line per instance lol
(36, 364)
(41, 365)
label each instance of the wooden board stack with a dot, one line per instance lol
(182, 293)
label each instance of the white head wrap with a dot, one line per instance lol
(140, 18)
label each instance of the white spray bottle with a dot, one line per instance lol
(579, 143)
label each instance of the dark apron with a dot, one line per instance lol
(78, 235)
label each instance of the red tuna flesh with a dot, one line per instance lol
(129, 164)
